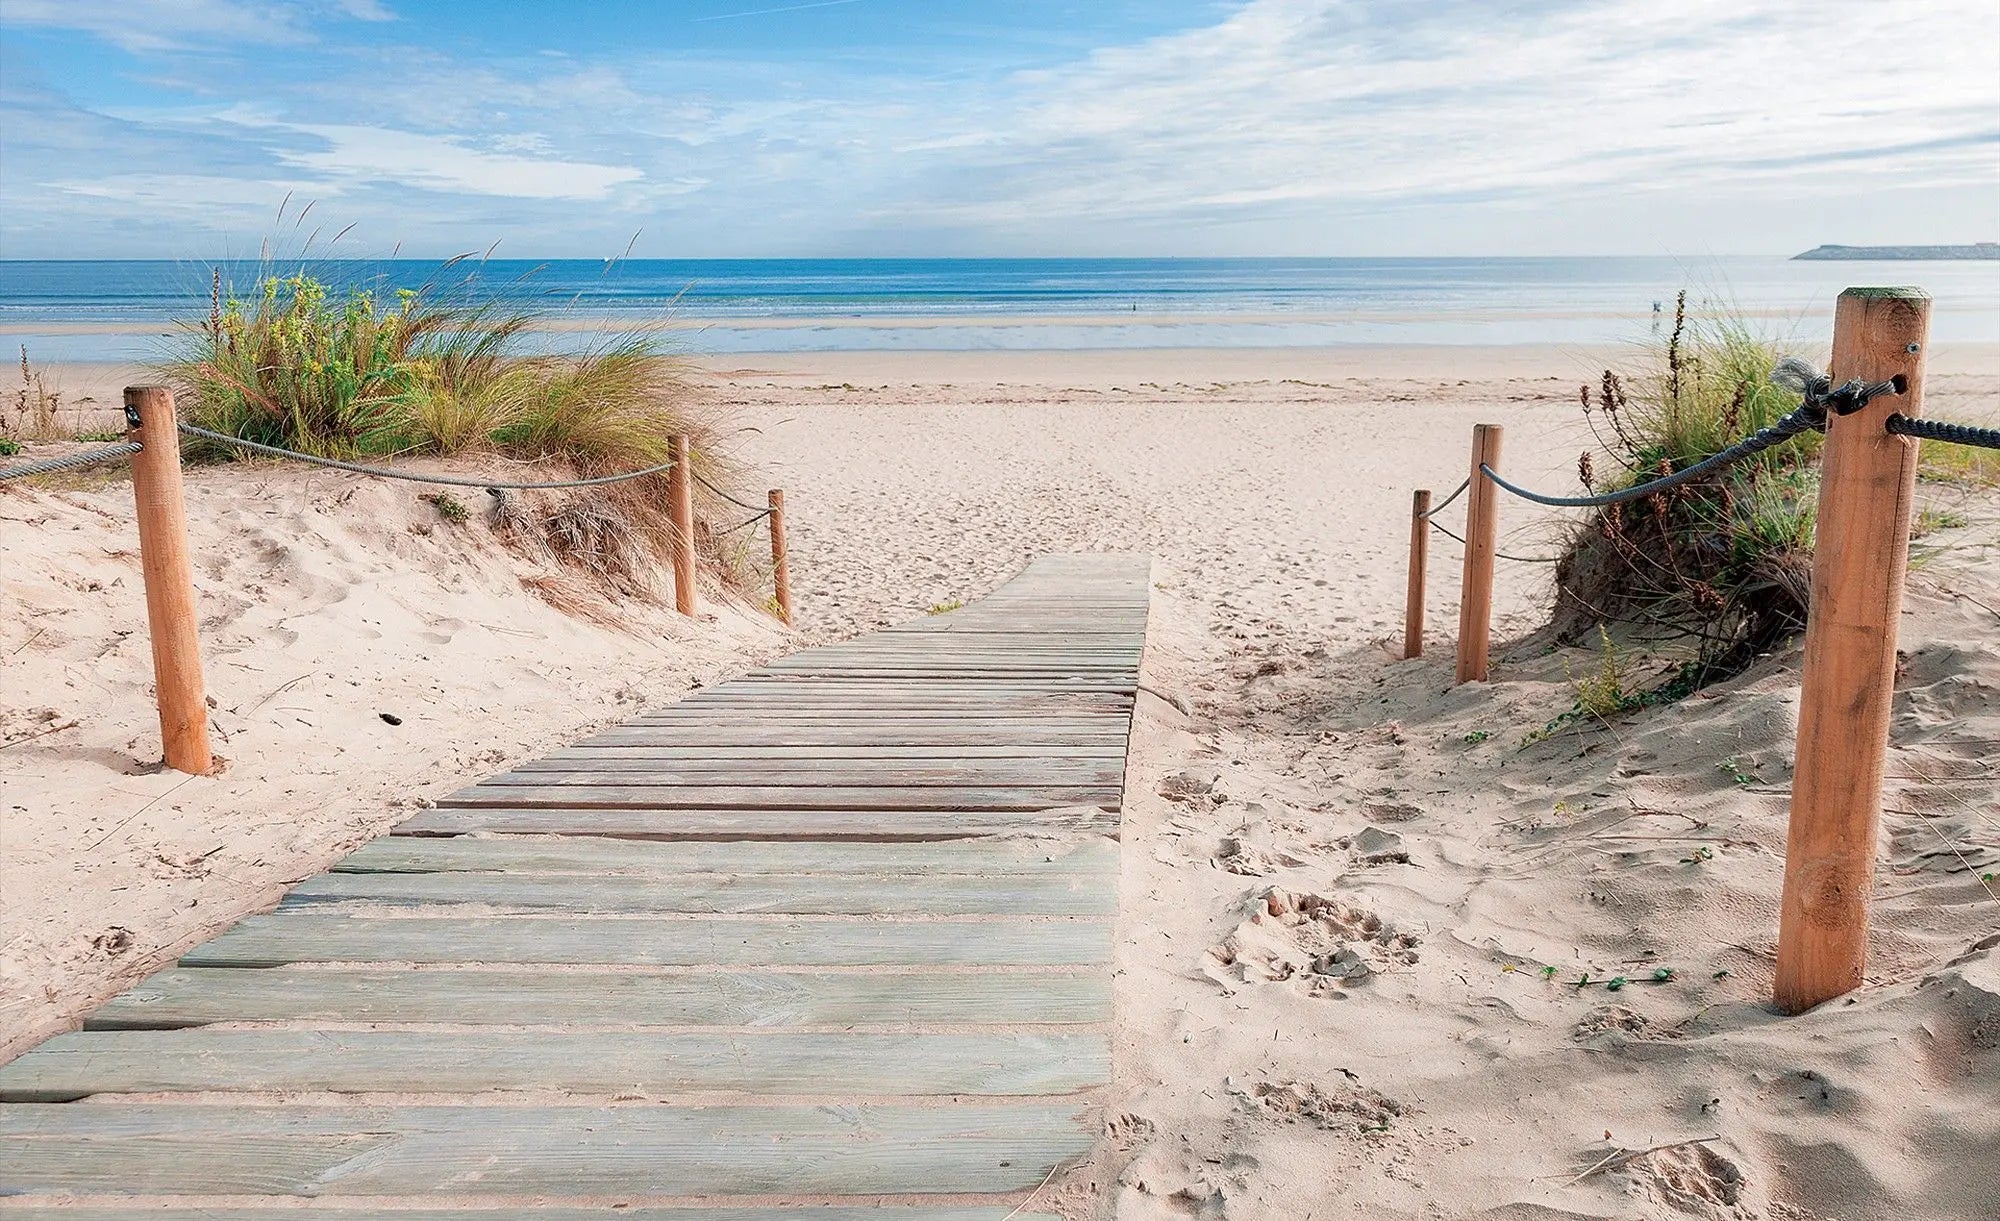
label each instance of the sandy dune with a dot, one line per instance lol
(1345, 883)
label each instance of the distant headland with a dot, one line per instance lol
(1978, 250)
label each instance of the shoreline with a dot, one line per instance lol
(636, 320)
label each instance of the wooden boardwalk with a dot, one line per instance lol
(828, 941)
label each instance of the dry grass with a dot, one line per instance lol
(35, 412)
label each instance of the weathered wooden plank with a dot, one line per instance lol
(944, 733)
(828, 825)
(805, 775)
(233, 1211)
(825, 797)
(889, 719)
(290, 937)
(578, 855)
(195, 996)
(720, 893)
(559, 1152)
(857, 752)
(570, 769)
(86, 1063)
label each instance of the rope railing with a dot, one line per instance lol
(1865, 501)
(384, 472)
(71, 462)
(161, 516)
(1941, 430)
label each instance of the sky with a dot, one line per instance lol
(880, 128)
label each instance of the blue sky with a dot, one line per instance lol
(1033, 127)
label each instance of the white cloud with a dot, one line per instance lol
(1292, 104)
(160, 25)
(441, 163)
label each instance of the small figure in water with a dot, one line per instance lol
(1656, 315)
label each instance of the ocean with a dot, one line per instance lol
(125, 310)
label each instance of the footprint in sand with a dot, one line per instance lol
(1691, 1178)
(1320, 941)
(1353, 1108)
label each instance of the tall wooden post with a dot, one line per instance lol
(680, 511)
(1475, 606)
(1420, 547)
(1860, 555)
(781, 578)
(169, 577)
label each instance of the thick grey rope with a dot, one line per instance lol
(382, 472)
(47, 466)
(1792, 372)
(1940, 430)
(1435, 509)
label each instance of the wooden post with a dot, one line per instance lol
(169, 576)
(1413, 602)
(680, 510)
(780, 576)
(1475, 605)
(1860, 555)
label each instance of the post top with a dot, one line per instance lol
(148, 388)
(1905, 292)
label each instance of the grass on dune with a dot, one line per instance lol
(1722, 566)
(364, 375)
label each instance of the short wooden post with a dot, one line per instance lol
(680, 511)
(168, 569)
(1413, 602)
(781, 578)
(1860, 556)
(1475, 605)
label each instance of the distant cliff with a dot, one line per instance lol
(1978, 250)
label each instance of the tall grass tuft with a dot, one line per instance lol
(358, 374)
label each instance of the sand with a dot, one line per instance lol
(1296, 796)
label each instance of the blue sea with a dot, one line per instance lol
(125, 310)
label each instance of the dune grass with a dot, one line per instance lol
(358, 374)
(1719, 569)
(1722, 565)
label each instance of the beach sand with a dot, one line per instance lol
(1294, 789)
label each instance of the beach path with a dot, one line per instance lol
(836, 933)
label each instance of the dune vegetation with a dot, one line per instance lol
(356, 373)
(1718, 571)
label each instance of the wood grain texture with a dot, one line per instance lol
(231, 1211)
(561, 1152)
(712, 893)
(275, 940)
(1847, 684)
(87, 1063)
(1482, 525)
(196, 996)
(825, 825)
(582, 855)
